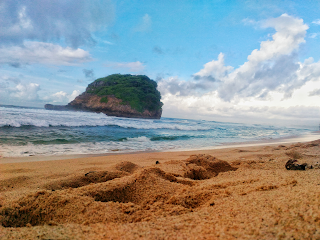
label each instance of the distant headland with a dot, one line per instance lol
(132, 96)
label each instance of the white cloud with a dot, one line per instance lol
(271, 86)
(215, 69)
(272, 65)
(23, 92)
(62, 97)
(317, 21)
(71, 21)
(12, 89)
(290, 32)
(251, 22)
(313, 35)
(127, 66)
(59, 97)
(144, 25)
(43, 53)
(297, 110)
(74, 94)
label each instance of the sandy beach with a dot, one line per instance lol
(159, 120)
(242, 192)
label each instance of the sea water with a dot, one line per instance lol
(31, 131)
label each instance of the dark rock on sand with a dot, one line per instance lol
(292, 164)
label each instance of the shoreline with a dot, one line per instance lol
(268, 142)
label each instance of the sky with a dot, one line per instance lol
(248, 61)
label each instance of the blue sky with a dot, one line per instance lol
(240, 61)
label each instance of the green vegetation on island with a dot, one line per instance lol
(139, 91)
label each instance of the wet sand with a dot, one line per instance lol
(237, 192)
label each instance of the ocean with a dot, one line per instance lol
(31, 131)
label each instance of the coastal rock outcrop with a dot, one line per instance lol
(132, 96)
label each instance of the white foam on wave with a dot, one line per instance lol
(17, 117)
(139, 139)
(132, 145)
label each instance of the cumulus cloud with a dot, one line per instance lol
(290, 32)
(46, 20)
(253, 77)
(127, 66)
(43, 53)
(17, 91)
(144, 25)
(27, 91)
(273, 66)
(74, 94)
(5, 83)
(62, 97)
(271, 84)
(20, 92)
(214, 70)
(203, 81)
(59, 96)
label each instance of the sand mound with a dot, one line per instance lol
(129, 199)
(86, 179)
(127, 167)
(197, 167)
(147, 185)
(105, 196)
(204, 166)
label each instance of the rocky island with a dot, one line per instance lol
(132, 96)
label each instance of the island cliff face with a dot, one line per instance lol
(118, 95)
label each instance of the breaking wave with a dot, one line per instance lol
(44, 118)
(26, 131)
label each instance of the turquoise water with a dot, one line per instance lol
(30, 131)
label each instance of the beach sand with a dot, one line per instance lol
(229, 193)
